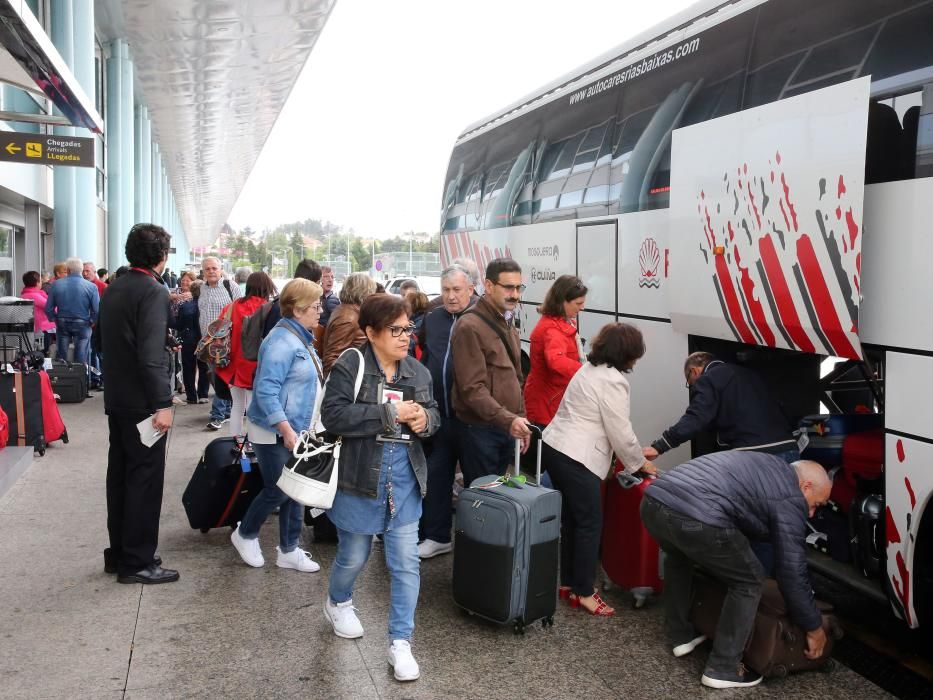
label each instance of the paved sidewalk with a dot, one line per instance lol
(67, 630)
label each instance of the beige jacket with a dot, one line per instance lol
(592, 421)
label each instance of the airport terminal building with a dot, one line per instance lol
(178, 97)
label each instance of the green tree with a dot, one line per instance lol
(297, 244)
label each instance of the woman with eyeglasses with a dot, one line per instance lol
(288, 377)
(591, 424)
(238, 375)
(382, 473)
(556, 350)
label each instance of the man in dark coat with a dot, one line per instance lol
(133, 327)
(705, 512)
(734, 402)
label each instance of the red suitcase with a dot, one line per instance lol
(631, 557)
(51, 416)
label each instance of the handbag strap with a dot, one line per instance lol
(306, 437)
(498, 331)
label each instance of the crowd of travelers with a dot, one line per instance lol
(457, 364)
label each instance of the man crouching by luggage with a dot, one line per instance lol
(133, 330)
(705, 512)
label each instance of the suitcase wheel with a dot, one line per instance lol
(829, 666)
(779, 671)
(65, 437)
(205, 530)
(547, 622)
(519, 627)
(41, 452)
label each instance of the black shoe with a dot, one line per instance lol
(740, 678)
(110, 561)
(151, 574)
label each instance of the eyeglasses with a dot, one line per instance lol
(512, 287)
(318, 308)
(396, 331)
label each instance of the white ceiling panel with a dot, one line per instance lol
(214, 74)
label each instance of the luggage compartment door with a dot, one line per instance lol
(598, 267)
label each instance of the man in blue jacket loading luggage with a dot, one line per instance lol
(705, 512)
(733, 401)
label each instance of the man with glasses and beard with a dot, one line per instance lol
(487, 387)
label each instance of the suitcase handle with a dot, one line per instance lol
(518, 453)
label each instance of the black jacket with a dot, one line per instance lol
(133, 323)
(435, 353)
(361, 421)
(735, 403)
(759, 495)
(187, 323)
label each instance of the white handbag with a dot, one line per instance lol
(310, 476)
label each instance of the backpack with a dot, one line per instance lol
(4, 428)
(214, 348)
(252, 334)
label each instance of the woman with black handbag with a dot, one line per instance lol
(382, 473)
(286, 383)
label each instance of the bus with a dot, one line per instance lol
(753, 179)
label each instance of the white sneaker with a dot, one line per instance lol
(249, 550)
(430, 548)
(401, 660)
(297, 559)
(687, 647)
(343, 617)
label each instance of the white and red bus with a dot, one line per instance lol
(751, 178)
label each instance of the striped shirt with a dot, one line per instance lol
(213, 300)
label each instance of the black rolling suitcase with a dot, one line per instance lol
(21, 398)
(69, 380)
(223, 485)
(506, 550)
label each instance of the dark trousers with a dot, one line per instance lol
(443, 453)
(726, 555)
(135, 474)
(581, 520)
(191, 366)
(484, 451)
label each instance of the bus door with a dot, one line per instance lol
(598, 266)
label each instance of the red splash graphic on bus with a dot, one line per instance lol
(910, 493)
(462, 245)
(891, 532)
(779, 282)
(901, 455)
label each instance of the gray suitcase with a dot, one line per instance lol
(506, 549)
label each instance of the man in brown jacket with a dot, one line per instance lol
(487, 388)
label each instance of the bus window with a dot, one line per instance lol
(902, 46)
(766, 84)
(842, 55)
(589, 149)
(567, 155)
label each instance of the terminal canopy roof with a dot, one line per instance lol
(214, 75)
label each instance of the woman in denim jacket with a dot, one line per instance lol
(287, 380)
(383, 473)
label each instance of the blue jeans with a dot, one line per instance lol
(401, 552)
(68, 330)
(484, 451)
(220, 409)
(271, 460)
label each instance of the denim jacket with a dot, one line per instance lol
(286, 379)
(360, 422)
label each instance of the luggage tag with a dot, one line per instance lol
(245, 464)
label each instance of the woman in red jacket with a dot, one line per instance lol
(239, 373)
(556, 352)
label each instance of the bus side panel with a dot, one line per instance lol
(908, 469)
(896, 255)
(766, 215)
(659, 397)
(644, 259)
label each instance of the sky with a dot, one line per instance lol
(366, 134)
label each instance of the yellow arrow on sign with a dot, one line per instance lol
(12, 148)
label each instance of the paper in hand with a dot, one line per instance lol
(148, 435)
